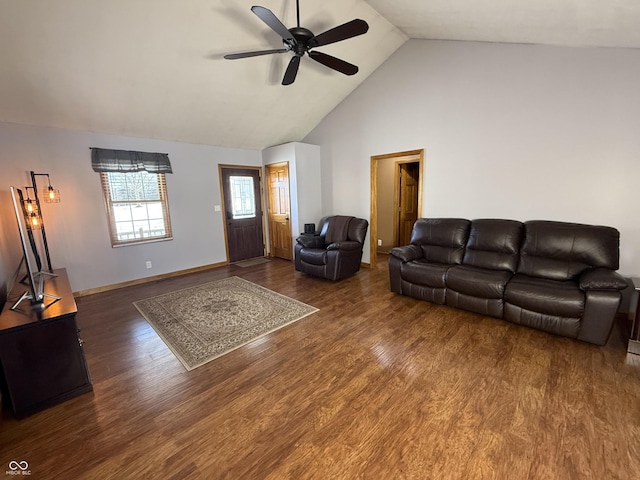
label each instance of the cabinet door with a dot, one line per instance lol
(43, 364)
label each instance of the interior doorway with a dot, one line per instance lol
(279, 210)
(396, 199)
(242, 206)
(406, 195)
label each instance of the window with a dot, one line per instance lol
(137, 207)
(242, 197)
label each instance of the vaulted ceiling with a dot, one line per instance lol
(155, 68)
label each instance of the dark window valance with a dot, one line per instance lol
(106, 160)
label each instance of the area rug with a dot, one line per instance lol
(202, 323)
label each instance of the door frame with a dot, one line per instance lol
(405, 157)
(266, 195)
(222, 200)
(397, 192)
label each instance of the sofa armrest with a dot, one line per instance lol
(407, 253)
(602, 279)
(345, 245)
(311, 241)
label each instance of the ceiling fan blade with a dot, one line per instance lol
(341, 32)
(334, 63)
(235, 56)
(292, 71)
(276, 25)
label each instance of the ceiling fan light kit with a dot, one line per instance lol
(300, 40)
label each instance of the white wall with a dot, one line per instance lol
(509, 131)
(309, 185)
(77, 229)
(304, 181)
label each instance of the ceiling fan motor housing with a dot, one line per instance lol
(302, 36)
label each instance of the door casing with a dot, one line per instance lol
(223, 202)
(279, 222)
(407, 156)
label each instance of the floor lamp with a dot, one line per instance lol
(51, 195)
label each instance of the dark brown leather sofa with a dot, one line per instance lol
(335, 251)
(554, 276)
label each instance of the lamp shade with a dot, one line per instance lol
(51, 195)
(34, 220)
(30, 206)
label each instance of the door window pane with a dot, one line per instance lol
(242, 197)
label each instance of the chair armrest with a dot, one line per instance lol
(345, 245)
(311, 241)
(602, 279)
(407, 253)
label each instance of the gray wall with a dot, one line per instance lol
(77, 227)
(509, 131)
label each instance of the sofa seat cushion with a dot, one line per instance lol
(314, 256)
(549, 297)
(421, 272)
(478, 282)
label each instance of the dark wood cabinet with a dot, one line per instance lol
(41, 354)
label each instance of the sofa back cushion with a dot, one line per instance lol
(562, 251)
(337, 228)
(442, 240)
(494, 244)
(358, 230)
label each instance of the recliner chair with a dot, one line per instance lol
(335, 251)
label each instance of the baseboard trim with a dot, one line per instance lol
(139, 281)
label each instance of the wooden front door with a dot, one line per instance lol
(243, 212)
(279, 210)
(408, 201)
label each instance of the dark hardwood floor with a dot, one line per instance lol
(373, 386)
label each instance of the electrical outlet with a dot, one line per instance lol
(379, 242)
(148, 263)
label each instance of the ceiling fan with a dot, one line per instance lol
(300, 40)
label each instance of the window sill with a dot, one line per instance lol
(144, 240)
